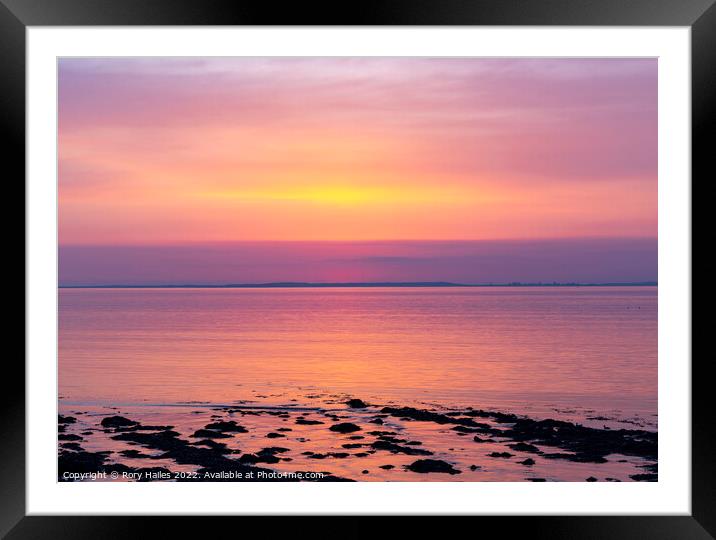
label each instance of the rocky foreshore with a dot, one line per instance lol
(359, 440)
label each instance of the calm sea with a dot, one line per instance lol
(511, 347)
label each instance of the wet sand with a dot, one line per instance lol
(319, 436)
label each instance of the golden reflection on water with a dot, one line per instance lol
(573, 346)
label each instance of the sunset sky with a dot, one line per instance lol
(357, 169)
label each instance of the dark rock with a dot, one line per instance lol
(352, 445)
(645, 477)
(164, 440)
(474, 467)
(274, 435)
(345, 427)
(338, 455)
(376, 421)
(229, 426)
(181, 451)
(502, 418)
(72, 446)
(219, 447)
(304, 422)
(254, 458)
(577, 458)
(68, 437)
(524, 447)
(398, 449)
(80, 462)
(209, 434)
(356, 404)
(134, 454)
(528, 461)
(140, 427)
(479, 428)
(365, 471)
(590, 444)
(66, 419)
(95, 462)
(387, 467)
(591, 479)
(500, 454)
(431, 465)
(117, 421)
(426, 416)
(271, 450)
(392, 439)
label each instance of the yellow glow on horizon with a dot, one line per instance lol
(341, 194)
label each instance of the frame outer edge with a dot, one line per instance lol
(351, 527)
(703, 126)
(12, 398)
(367, 12)
(12, 102)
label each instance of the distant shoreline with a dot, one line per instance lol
(308, 285)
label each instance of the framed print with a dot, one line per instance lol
(428, 259)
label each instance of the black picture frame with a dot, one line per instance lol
(16, 15)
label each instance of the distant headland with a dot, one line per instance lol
(302, 284)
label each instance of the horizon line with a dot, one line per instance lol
(366, 284)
